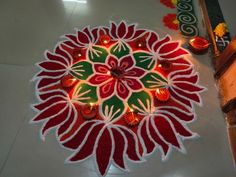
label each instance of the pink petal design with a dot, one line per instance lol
(162, 41)
(113, 30)
(112, 62)
(180, 99)
(180, 61)
(50, 111)
(192, 79)
(138, 33)
(187, 86)
(65, 126)
(48, 102)
(51, 74)
(73, 39)
(149, 145)
(166, 131)
(99, 79)
(184, 132)
(157, 138)
(95, 34)
(46, 95)
(70, 44)
(62, 52)
(100, 68)
(122, 90)
(180, 114)
(134, 84)
(87, 148)
(135, 72)
(46, 82)
(152, 38)
(86, 30)
(181, 73)
(107, 89)
(168, 47)
(132, 147)
(177, 53)
(52, 65)
(104, 152)
(121, 30)
(82, 37)
(192, 96)
(119, 145)
(51, 123)
(54, 57)
(126, 62)
(130, 32)
(79, 136)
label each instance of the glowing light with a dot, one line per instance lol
(78, 1)
(105, 39)
(162, 94)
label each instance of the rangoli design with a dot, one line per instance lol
(115, 93)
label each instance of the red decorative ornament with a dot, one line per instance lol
(199, 45)
(162, 94)
(140, 43)
(88, 111)
(68, 81)
(132, 118)
(105, 39)
(165, 65)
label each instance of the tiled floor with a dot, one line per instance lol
(30, 27)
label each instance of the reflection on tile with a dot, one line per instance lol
(30, 28)
(14, 101)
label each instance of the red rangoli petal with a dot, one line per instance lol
(107, 89)
(122, 90)
(121, 30)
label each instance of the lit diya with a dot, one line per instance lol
(88, 111)
(131, 118)
(105, 39)
(199, 45)
(68, 81)
(162, 94)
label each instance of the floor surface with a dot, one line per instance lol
(29, 27)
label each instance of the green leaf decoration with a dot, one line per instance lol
(144, 60)
(140, 101)
(82, 70)
(112, 108)
(153, 80)
(120, 49)
(97, 54)
(85, 93)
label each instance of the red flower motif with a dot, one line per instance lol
(106, 141)
(85, 38)
(169, 3)
(184, 88)
(56, 110)
(54, 68)
(170, 21)
(125, 32)
(165, 128)
(120, 76)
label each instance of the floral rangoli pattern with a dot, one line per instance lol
(98, 89)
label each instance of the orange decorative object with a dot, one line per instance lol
(171, 21)
(165, 65)
(162, 94)
(68, 81)
(105, 39)
(88, 111)
(140, 43)
(132, 118)
(198, 45)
